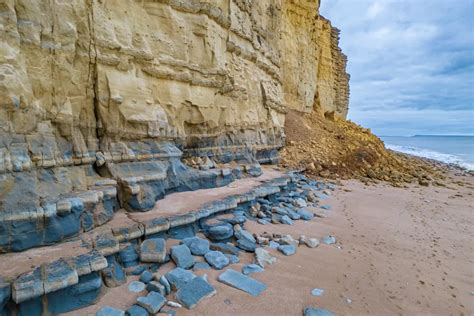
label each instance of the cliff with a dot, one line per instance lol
(102, 101)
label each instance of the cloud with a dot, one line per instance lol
(411, 63)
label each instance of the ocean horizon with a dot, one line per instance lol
(452, 149)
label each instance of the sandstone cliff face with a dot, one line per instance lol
(97, 96)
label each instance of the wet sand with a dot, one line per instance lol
(398, 252)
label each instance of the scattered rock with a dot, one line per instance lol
(146, 276)
(287, 250)
(136, 286)
(201, 266)
(286, 220)
(232, 258)
(311, 311)
(153, 250)
(220, 232)
(243, 234)
(179, 277)
(246, 245)
(263, 221)
(216, 259)
(299, 202)
(155, 286)
(328, 240)
(153, 302)
(173, 304)
(198, 246)
(251, 268)
(263, 257)
(181, 255)
(164, 281)
(274, 245)
(136, 310)
(312, 242)
(288, 240)
(317, 292)
(242, 282)
(110, 311)
(194, 291)
(225, 248)
(325, 207)
(305, 214)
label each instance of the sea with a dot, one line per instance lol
(457, 150)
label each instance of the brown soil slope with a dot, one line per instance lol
(335, 148)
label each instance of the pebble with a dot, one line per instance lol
(216, 259)
(325, 207)
(251, 268)
(312, 242)
(173, 304)
(317, 292)
(328, 240)
(311, 311)
(287, 250)
(181, 255)
(136, 286)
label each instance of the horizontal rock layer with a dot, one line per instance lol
(100, 100)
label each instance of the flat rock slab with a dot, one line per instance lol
(182, 256)
(242, 282)
(178, 277)
(217, 259)
(194, 292)
(110, 311)
(201, 266)
(198, 246)
(311, 311)
(136, 286)
(153, 302)
(287, 250)
(153, 250)
(136, 310)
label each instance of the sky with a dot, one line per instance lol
(411, 64)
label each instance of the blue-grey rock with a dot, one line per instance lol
(280, 211)
(242, 282)
(232, 258)
(113, 275)
(136, 286)
(293, 214)
(299, 202)
(5, 293)
(194, 292)
(325, 207)
(168, 312)
(182, 256)
(251, 268)
(198, 246)
(128, 256)
(220, 232)
(328, 240)
(178, 277)
(146, 276)
(286, 220)
(225, 248)
(317, 292)
(263, 221)
(263, 257)
(201, 266)
(287, 250)
(155, 286)
(273, 244)
(153, 302)
(246, 245)
(136, 310)
(311, 311)
(237, 220)
(305, 214)
(153, 250)
(110, 311)
(243, 234)
(164, 281)
(137, 270)
(216, 259)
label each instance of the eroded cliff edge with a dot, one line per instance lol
(101, 101)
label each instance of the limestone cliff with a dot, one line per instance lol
(99, 99)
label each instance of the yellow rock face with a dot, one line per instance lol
(85, 76)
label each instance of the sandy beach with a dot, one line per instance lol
(399, 251)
